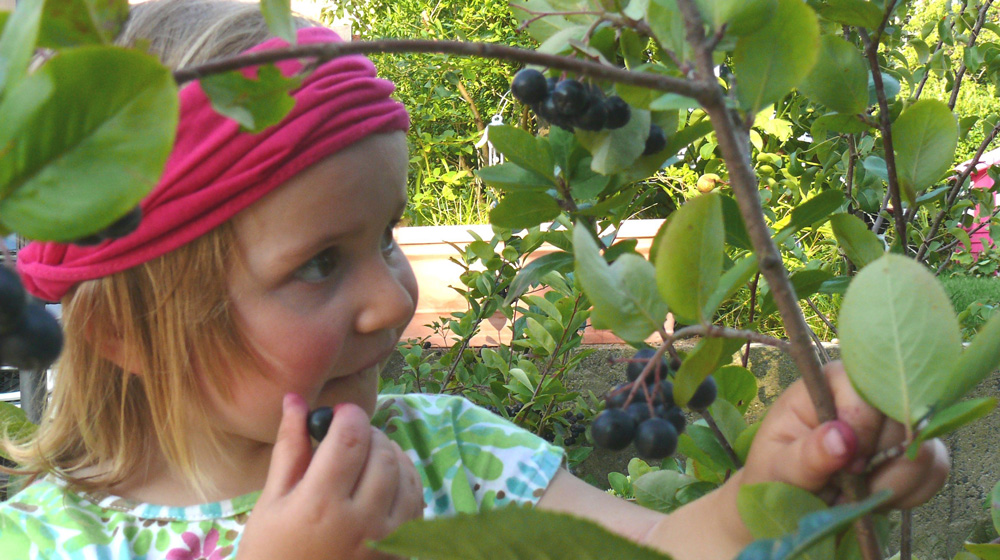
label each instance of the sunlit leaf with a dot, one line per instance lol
(512, 177)
(737, 385)
(774, 59)
(80, 136)
(278, 15)
(524, 149)
(520, 210)
(899, 337)
(255, 103)
(839, 80)
(924, 137)
(859, 243)
(698, 365)
(951, 419)
(18, 41)
(614, 150)
(689, 259)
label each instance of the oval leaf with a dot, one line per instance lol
(512, 177)
(698, 365)
(737, 385)
(17, 43)
(773, 60)
(72, 23)
(511, 533)
(773, 510)
(520, 210)
(924, 137)
(899, 337)
(278, 15)
(951, 419)
(859, 243)
(689, 257)
(614, 150)
(80, 136)
(523, 149)
(839, 80)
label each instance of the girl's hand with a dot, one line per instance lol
(358, 486)
(792, 446)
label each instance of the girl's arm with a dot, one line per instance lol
(792, 447)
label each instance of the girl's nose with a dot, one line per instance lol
(390, 297)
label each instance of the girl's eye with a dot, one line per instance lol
(318, 268)
(389, 239)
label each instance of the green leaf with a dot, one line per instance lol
(686, 136)
(540, 336)
(533, 272)
(951, 419)
(899, 337)
(254, 103)
(839, 80)
(698, 365)
(658, 490)
(521, 210)
(732, 280)
(857, 13)
(742, 444)
(15, 422)
(890, 85)
(17, 43)
(812, 211)
(806, 283)
(729, 420)
(736, 229)
(623, 294)
(984, 551)
(523, 149)
(73, 23)
(278, 15)
(774, 509)
(977, 362)
(81, 136)
(924, 137)
(773, 60)
(860, 244)
(689, 259)
(824, 523)
(737, 385)
(512, 177)
(511, 533)
(615, 150)
(742, 16)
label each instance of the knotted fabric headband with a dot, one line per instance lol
(214, 170)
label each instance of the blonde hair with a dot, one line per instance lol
(144, 346)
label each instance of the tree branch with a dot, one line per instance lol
(715, 331)
(326, 51)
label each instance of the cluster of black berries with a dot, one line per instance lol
(511, 409)
(122, 227)
(576, 427)
(30, 337)
(569, 104)
(653, 421)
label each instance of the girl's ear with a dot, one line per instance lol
(113, 349)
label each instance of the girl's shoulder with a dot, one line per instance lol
(469, 458)
(48, 519)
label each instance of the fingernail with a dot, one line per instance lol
(833, 442)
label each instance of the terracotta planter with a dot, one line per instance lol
(429, 253)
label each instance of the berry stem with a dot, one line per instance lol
(715, 331)
(722, 438)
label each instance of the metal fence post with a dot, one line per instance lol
(34, 390)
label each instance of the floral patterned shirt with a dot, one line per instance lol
(468, 458)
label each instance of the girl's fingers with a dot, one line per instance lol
(816, 456)
(340, 458)
(914, 482)
(377, 486)
(292, 449)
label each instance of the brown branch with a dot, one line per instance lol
(326, 51)
(952, 196)
(480, 126)
(715, 331)
(971, 43)
(734, 148)
(885, 126)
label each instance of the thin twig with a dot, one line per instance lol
(885, 126)
(753, 306)
(973, 35)
(730, 452)
(715, 331)
(905, 534)
(821, 316)
(326, 51)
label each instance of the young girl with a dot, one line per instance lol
(264, 281)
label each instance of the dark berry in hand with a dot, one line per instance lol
(639, 411)
(593, 118)
(618, 112)
(613, 429)
(124, 226)
(35, 342)
(12, 298)
(704, 395)
(570, 98)
(656, 438)
(638, 363)
(529, 86)
(656, 141)
(319, 422)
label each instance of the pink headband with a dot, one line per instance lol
(215, 170)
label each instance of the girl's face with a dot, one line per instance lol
(326, 292)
